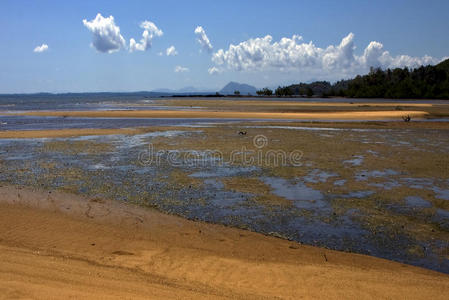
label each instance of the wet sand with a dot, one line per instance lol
(66, 133)
(270, 103)
(198, 114)
(58, 133)
(58, 245)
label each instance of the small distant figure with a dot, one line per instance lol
(406, 118)
(242, 132)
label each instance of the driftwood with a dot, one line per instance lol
(406, 118)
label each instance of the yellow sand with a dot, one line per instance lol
(229, 102)
(56, 245)
(57, 133)
(346, 115)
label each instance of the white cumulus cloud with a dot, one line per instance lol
(292, 54)
(179, 69)
(214, 70)
(171, 51)
(41, 48)
(106, 35)
(203, 39)
(150, 31)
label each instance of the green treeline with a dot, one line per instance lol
(426, 82)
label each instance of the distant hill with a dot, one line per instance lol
(244, 89)
(185, 90)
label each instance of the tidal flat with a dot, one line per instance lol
(377, 188)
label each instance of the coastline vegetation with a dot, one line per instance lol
(425, 82)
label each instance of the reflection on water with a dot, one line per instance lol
(300, 194)
(43, 123)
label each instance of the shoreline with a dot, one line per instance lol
(59, 244)
(191, 114)
(79, 132)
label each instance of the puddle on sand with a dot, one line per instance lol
(98, 166)
(299, 193)
(417, 183)
(386, 185)
(441, 217)
(372, 152)
(319, 128)
(130, 141)
(224, 172)
(359, 194)
(318, 175)
(365, 175)
(340, 182)
(356, 161)
(443, 213)
(416, 201)
(441, 193)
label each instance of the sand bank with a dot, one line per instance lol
(54, 244)
(202, 114)
(259, 103)
(59, 133)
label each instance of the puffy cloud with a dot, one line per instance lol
(214, 70)
(291, 54)
(179, 69)
(150, 31)
(203, 39)
(106, 35)
(171, 51)
(41, 48)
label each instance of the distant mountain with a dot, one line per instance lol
(244, 89)
(185, 90)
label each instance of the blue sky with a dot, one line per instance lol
(71, 63)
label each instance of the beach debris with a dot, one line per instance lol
(406, 118)
(325, 257)
(121, 252)
(242, 132)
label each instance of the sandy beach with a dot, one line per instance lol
(191, 114)
(58, 245)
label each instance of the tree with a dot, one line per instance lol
(278, 91)
(309, 92)
(283, 91)
(425, 82)
(265, 92)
